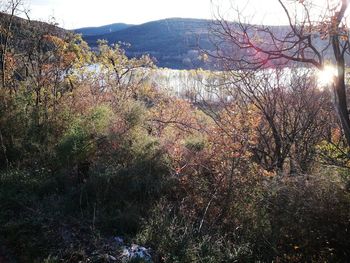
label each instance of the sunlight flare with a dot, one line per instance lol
(326, 76)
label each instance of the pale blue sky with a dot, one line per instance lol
(81, 13)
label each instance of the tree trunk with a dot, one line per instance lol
(340, 89)
(4, 151)
(341, 107)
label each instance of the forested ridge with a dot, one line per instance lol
(101, 163)
(178, 43)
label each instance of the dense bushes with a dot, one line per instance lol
(109, 195)
(290, 220)
(309, 218)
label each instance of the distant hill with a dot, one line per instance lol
(173, 42)
(25, 32)
(93, 31)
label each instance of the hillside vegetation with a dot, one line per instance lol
(93, 161)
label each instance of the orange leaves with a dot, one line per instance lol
(174, 113)
(56, 41)
(236, 131)
(267, 173)
(67, 59)
(177, 124)
(63, 53)
(333, 23)
(336, 135)
(10, 65)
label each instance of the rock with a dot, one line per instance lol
(136, 252)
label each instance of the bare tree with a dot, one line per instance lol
(10, 8)
(308, 40)
(293, 117)
(293, 114)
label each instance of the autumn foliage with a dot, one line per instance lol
(91, 148)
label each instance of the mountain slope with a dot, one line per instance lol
(173, 42)
(25, 33)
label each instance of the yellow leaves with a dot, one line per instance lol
(58, 42)
(118, 69)
(266, 173)
(67, 53)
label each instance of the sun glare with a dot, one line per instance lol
(326, 76)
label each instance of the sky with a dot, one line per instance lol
(82, 13)
(72, 14)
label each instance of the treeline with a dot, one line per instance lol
(259, 174)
